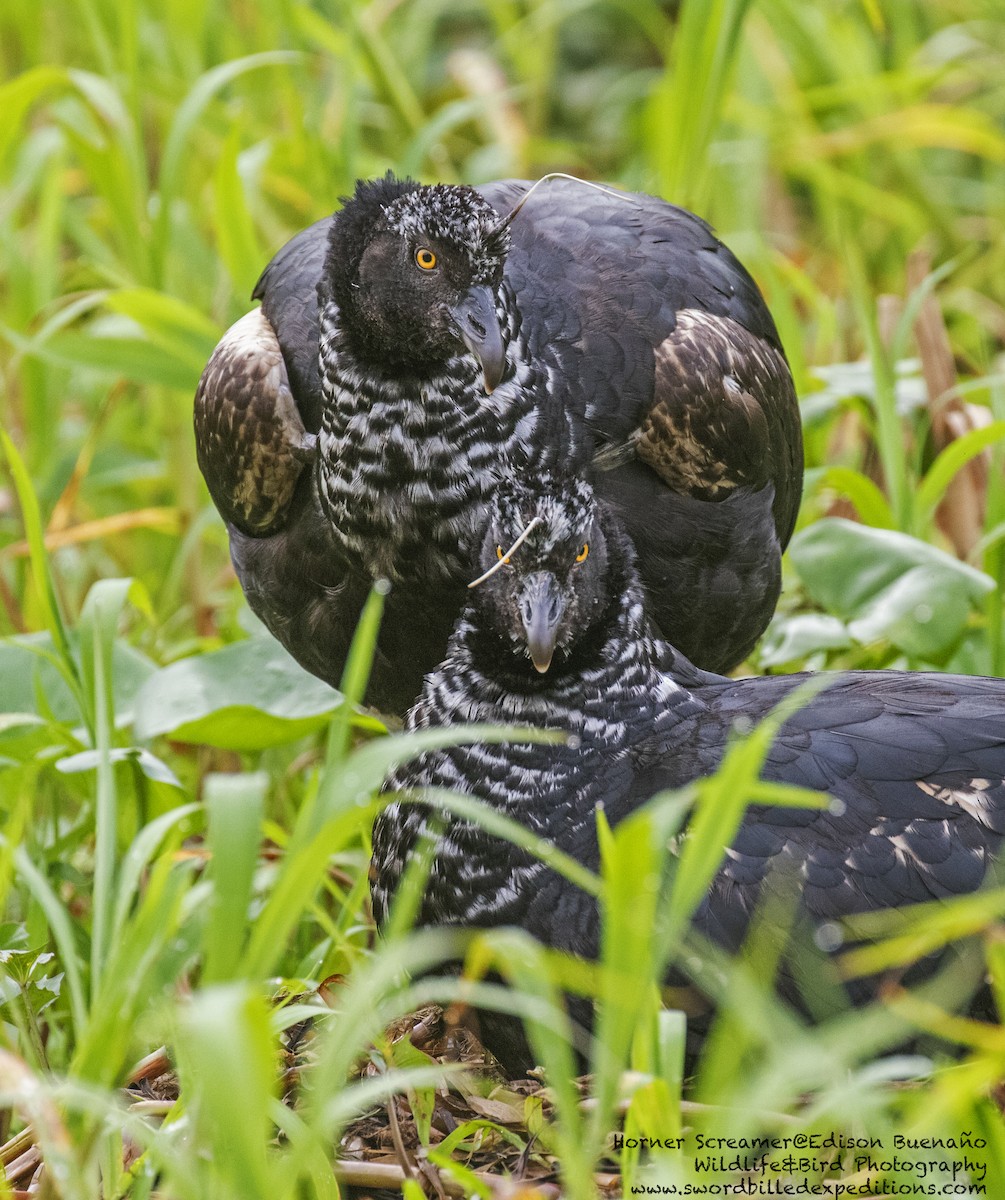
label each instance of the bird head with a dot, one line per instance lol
(416, 271)
(545, 558)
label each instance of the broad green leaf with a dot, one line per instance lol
(789, 639)
(843, 565)
(923, 613)
(244, 697)
(27, 658)
(853, 380)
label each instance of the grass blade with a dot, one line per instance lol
(44, 585)
(235, 806)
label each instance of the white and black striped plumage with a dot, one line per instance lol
(617, 335)
(916, 760)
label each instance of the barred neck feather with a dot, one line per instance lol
(406, 463)
(618, 699)
(612, 692)
(482, 680)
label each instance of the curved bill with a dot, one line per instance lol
(541, 607)
(478, 326)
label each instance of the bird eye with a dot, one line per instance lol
(581, 556)
(425, 258)
(500, 556)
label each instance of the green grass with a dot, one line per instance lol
(170, 868)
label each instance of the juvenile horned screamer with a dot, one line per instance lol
(556, 638)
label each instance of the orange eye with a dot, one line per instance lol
(425, 258)
(581, 556)
(499, 555)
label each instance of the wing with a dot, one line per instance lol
(250, 439)
(916, 764)
(914, 761)
(660, 334)
(259, 399)
(711, 570)
(287, 289)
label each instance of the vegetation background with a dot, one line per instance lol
(186, 815)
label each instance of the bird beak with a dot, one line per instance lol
(541, 607)
(479, 329)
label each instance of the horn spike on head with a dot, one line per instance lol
(504, 559)
(506, 221)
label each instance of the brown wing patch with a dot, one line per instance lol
(250, 440)
(722, 412)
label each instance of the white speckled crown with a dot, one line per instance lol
(458, 215)
(565, 506)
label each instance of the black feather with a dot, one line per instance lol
(915, 760)
(638, 352)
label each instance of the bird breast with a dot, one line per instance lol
(405, 467)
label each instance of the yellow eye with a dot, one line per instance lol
(499, 555)
(425, 258)
(581, 556)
